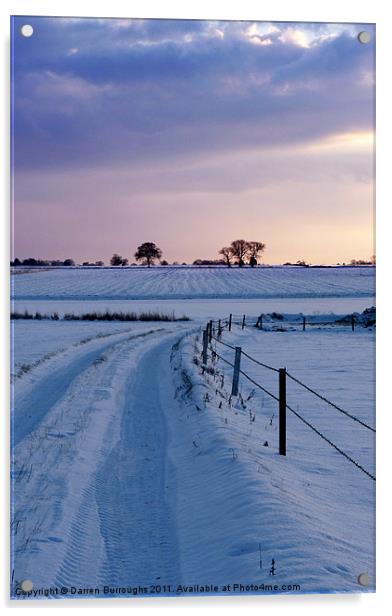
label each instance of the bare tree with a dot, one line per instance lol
(254, 250)
(227, 254)
(148, 252)
(239, 249)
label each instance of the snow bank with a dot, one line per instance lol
(241, 505)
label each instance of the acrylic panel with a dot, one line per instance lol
(193, 308)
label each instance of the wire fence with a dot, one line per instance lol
(214, 331)
(335, 406)
(274, 320)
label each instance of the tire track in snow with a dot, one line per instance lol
(115, 520)
(30, 409)
(133, 485)
(53, 469)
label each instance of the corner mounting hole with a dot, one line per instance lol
(364, 37)
(27, 30)
(364, 579)
(27, 585)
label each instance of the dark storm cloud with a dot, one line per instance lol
(99, 92)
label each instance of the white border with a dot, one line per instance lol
(278, 10)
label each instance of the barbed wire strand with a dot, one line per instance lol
(256, 361)
(307, 423)
(293, 378)
(223, 359)
(246, 355)
(343, 453)
(229, 346)
(320, 396)
(258, 385)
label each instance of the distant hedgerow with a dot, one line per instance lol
(100, 316)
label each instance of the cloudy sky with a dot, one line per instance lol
(191, 134)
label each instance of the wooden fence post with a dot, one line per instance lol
(236, 371)
(219, 329)
(205, 346)
(230, 318)
(303, 323)
(282, 411)
(243, 321)
(352, 322)
(261, 321)
(210, 332)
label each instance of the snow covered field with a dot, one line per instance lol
(133, 469)
(193, 283)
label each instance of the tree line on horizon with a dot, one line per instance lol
(239, 252)
(148, 253)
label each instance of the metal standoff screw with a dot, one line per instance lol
(364, 37)
(26, 585)
(364, 579)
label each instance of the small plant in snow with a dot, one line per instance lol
(260, 557)
(242, 402)
(251, 395)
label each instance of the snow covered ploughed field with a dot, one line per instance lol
(133, 468)
(195, 283)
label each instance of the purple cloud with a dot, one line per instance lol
(118, 121)
(88, 91)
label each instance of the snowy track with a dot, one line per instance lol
(101, 515)
(37, 401)
(136, 519)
